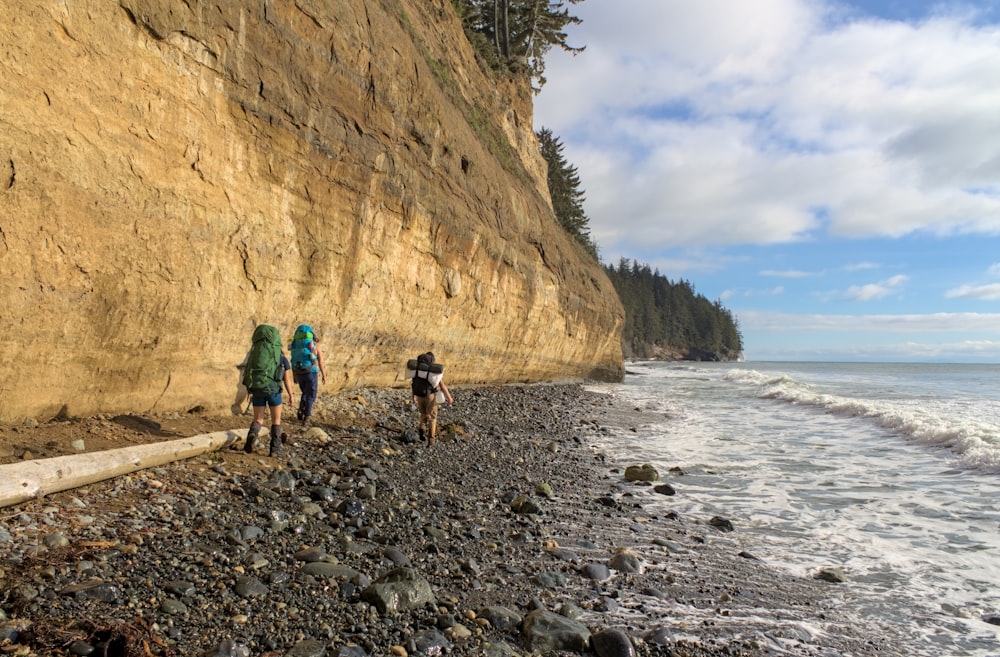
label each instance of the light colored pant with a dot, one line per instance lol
(428, 415)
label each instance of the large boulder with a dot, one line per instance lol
(400, 589)
(546, 631)
(644, 472)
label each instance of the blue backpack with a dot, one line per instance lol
(303, 355)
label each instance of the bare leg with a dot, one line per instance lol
(275, 448)
(258, 422)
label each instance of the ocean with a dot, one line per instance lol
(888, 472)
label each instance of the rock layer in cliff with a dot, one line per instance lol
(172, 174)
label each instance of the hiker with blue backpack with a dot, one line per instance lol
(307, 368)
(265, 371)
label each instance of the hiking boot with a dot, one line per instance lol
(276, 441)
(251, 438)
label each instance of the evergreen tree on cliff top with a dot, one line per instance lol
(515, 35)
(564, 189)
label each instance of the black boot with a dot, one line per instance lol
(275, 440)
(251, 437)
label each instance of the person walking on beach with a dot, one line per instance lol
(426, 386)
(266, 370)
(307, 368)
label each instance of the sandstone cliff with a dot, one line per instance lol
(173, 173)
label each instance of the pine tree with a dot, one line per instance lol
(520, 32)
(564, 189)
(662, 317)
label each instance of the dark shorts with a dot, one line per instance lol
(266, 400)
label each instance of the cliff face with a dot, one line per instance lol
(173, 173)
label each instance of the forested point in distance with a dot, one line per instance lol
(670, 321)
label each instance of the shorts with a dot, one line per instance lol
(266, 400)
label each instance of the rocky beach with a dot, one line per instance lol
(511, 536)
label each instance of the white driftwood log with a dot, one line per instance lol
(27, 480)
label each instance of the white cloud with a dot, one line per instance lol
(978, 291)
(770, 292)
(752, 320)
(869, 291)
(681, 265)
(989, 292)
(721, 123)
(966, 351)
(791, 273)
(873, 291)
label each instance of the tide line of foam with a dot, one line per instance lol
(975, 443)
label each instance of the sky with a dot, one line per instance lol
(828, 171)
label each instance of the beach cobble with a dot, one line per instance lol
(511, 536)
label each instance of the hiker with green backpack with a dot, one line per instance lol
(266, 370)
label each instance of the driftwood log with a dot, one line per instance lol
(28, 480)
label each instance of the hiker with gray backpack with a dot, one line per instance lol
(428, 390)
(266, 370)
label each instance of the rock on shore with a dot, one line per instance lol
(509, 537)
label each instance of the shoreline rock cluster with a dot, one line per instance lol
(511, 536)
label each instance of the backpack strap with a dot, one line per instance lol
(427, 376)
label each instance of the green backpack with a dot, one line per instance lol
(263, 372)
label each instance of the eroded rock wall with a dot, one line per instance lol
(173, 173)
